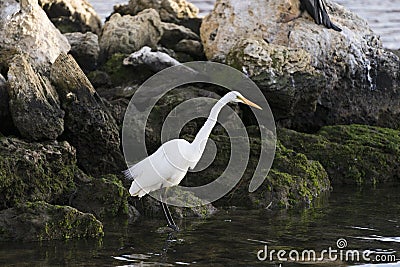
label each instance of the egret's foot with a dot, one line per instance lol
(174, 227)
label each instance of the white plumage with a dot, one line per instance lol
(169, 164)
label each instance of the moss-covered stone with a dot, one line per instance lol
(351, 154)
(37, 221)
(35, 171)
(150, 207)
(293, 179)
(104, 197)
(121, 74)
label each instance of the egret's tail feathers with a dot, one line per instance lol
(129, 174)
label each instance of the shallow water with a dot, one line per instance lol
(367, 219)
(383, 16)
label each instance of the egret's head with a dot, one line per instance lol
(237, 97)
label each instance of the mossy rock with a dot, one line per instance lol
(351, 154)
(292, 181)
(37, 221)
(104, 197)
(35, 171)
(123, 75)
(150, 207)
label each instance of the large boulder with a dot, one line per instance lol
(351, 154)
(169, 10)
(34, 103)
(361, 79)
(25, 27)
(89, 126)
(35, 171)
(85, 49)
(38, 221)
(72, 15)
(127, 34)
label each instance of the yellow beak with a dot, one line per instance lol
(248, 102)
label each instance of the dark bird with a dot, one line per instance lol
(317, 10)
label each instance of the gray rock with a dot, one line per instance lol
(191, 47)
(291, 85)
(39, 221)
(127, 34)
(36, 171)
(89, 126)
(150, 207)
(25, 27)
(169, 10)
(85, 49)
(72, 15)
(362, 79)
(34, 103)
(156, 61)
(174, 33)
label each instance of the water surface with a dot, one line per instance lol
(367, 219)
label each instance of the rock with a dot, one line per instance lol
(100, 79)
(191, 47)
(352, 154)
(34, 104)
(156, 61)
(291, 85)
(127, 34)
(150, 207)
(38, 221)
(294, 180)
(24, 27)
(173, 33)
(6, 126)
(85, 49)
(104, 197)
(89, 127)
(120, 74)
(169, 10)
(362, 79)
(72, 15)
(35, 171)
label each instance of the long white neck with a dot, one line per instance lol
(201, 138)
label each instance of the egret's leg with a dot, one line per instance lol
(170, 220)
(168, 216)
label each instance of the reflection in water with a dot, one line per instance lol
(369, 220)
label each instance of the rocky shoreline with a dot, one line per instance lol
(65, 86)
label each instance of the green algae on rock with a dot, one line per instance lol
(351, 154)
(35, 171)
(104, 197)
(292, 181)
(37, 221)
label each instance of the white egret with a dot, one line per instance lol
(169, 164)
